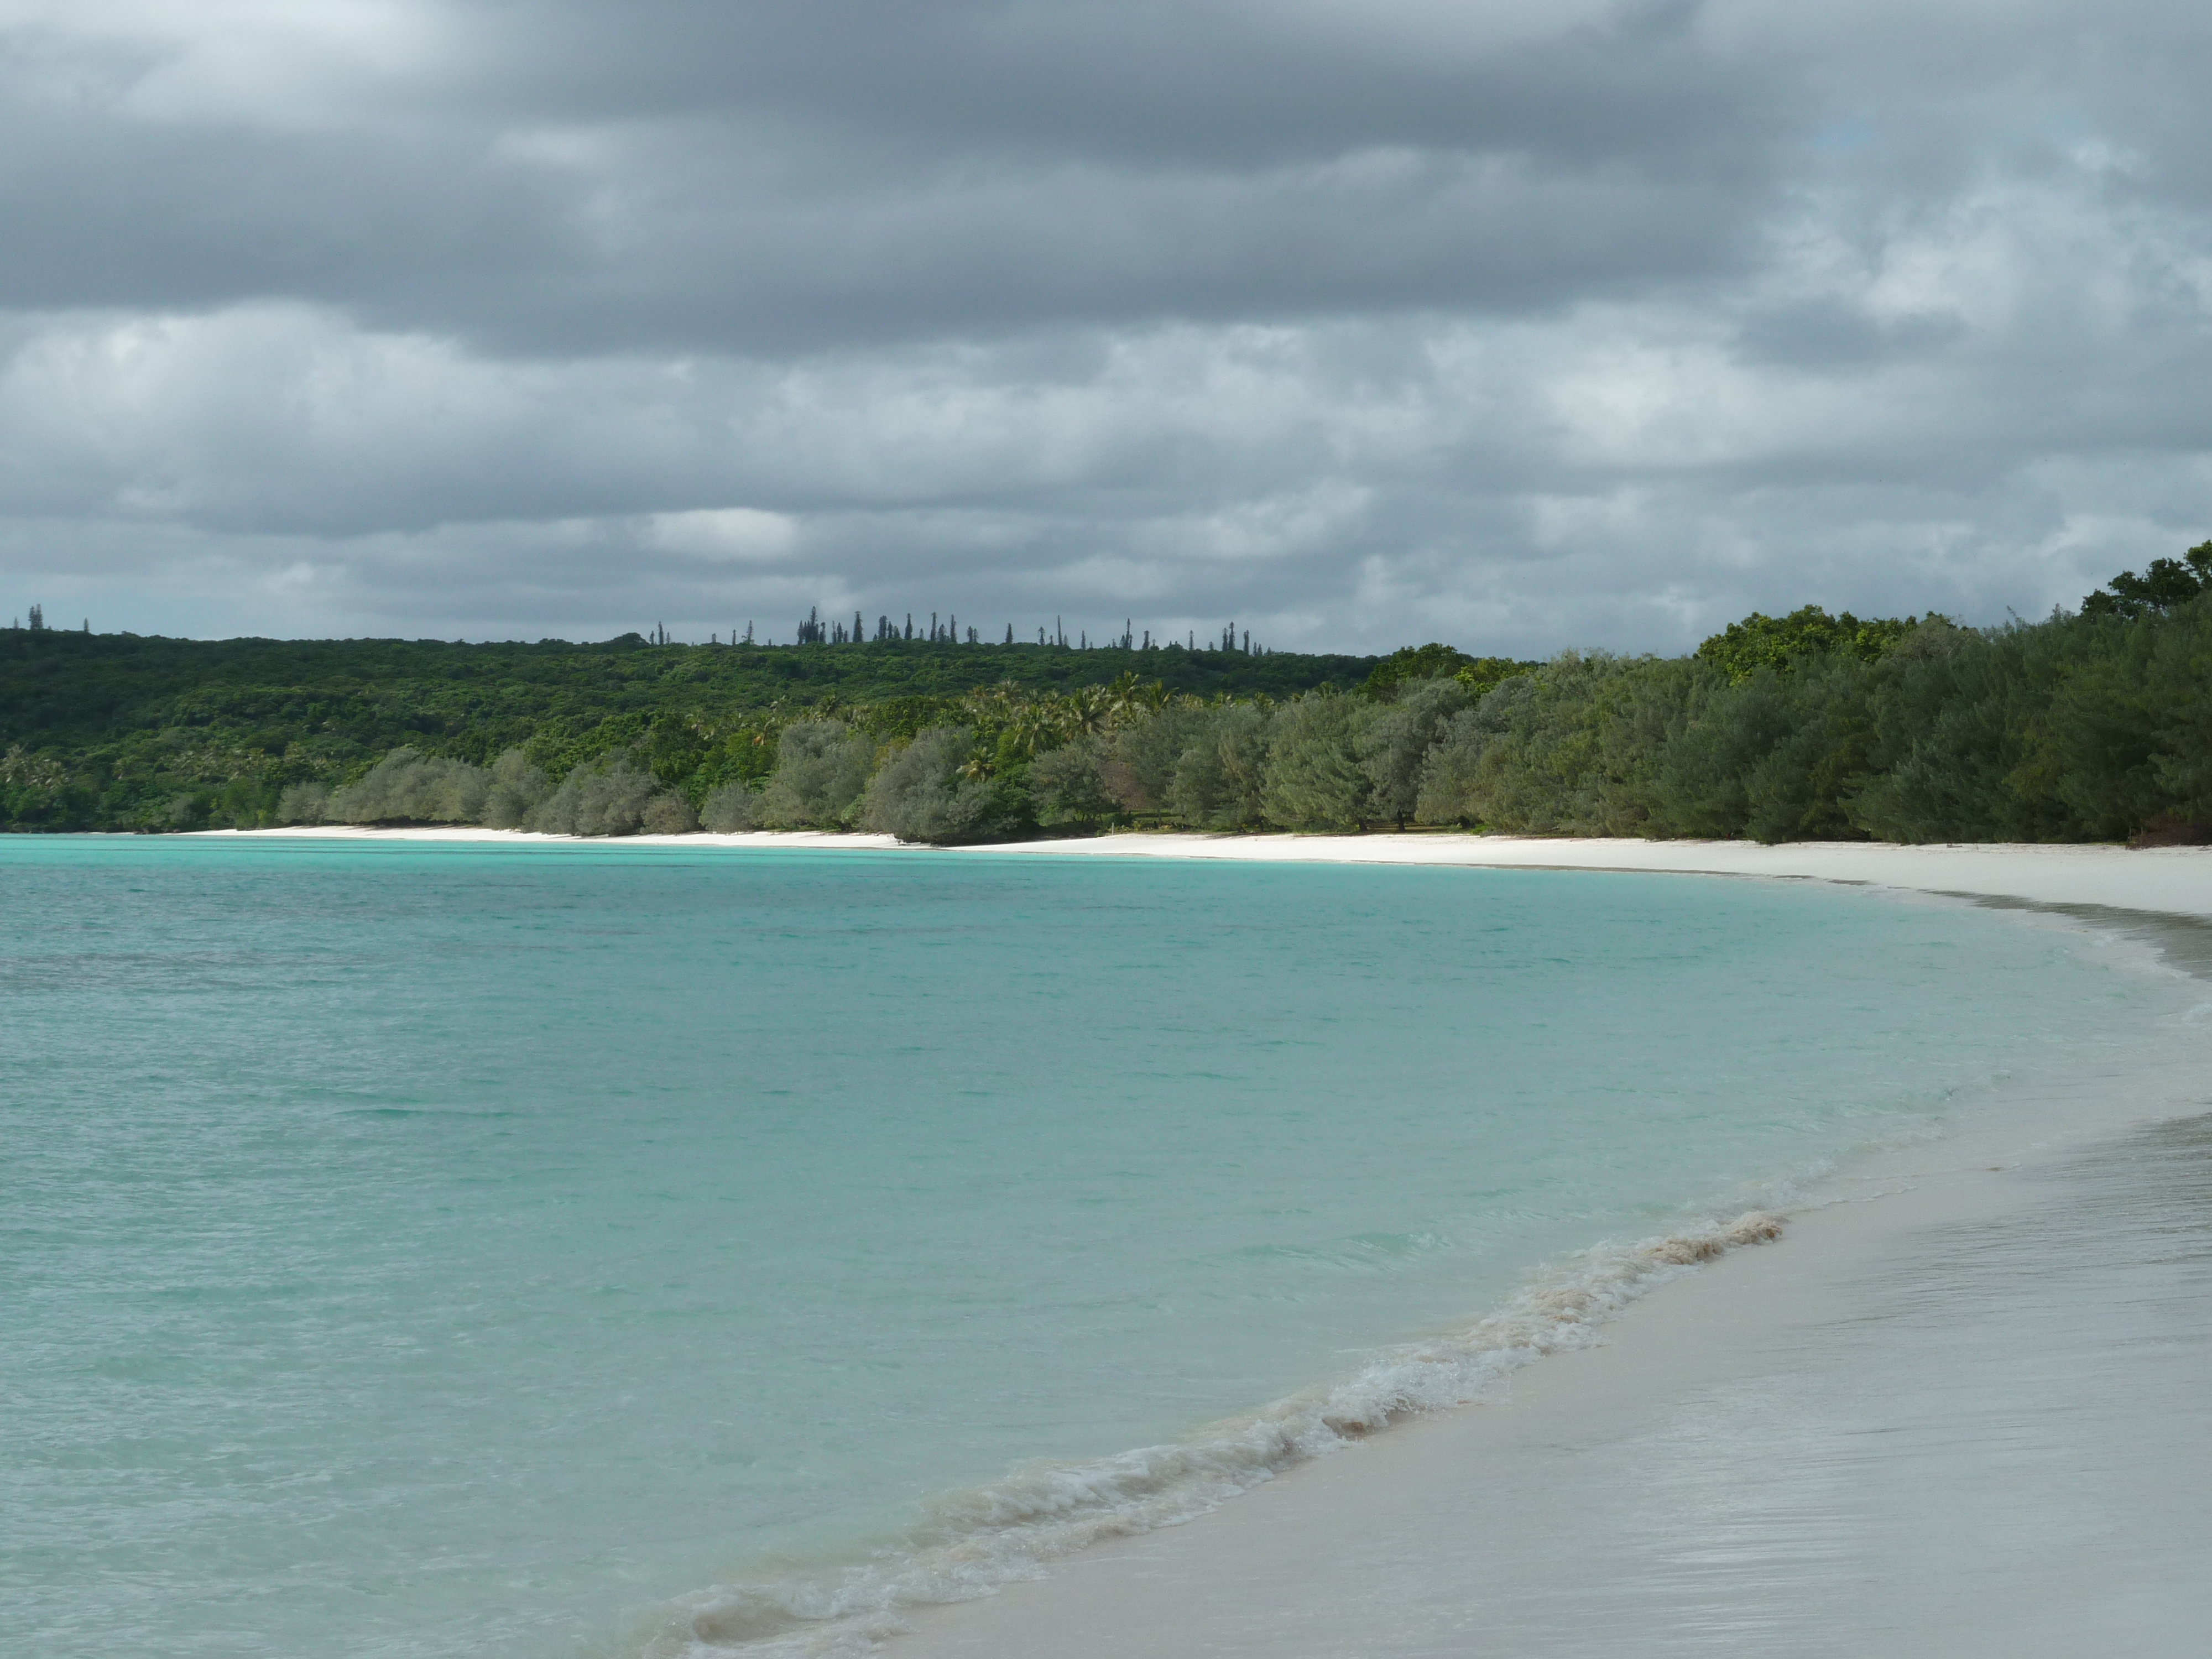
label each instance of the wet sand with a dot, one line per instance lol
(1959, 1413)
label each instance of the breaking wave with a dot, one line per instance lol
(976, 1540)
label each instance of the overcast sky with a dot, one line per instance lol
(1520, 324)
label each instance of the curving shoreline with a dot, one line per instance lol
(1955, 1409)
(2168, 881)
(1967, 1374)
(1961, 1419)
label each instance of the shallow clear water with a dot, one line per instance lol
(463, 1250)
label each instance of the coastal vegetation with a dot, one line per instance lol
(2094, 725)
(119, 733)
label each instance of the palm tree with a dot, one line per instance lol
(1035, 727)
(1088, 710)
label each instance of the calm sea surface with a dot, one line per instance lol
(420, 1251)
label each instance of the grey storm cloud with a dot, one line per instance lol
(771, 178)
(1524, 325)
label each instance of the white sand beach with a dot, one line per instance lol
(2171, 881)
(1957, 1410)
(1963, 1419)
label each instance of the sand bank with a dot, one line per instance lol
(2175, 881)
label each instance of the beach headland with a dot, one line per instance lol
(1955, 1410)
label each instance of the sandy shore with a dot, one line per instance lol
(1963, 1420)
(1956, 1411)
(2173, 881)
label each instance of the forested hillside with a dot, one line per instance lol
(115, 732)
(2091, 725)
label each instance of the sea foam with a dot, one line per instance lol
(976, 1540)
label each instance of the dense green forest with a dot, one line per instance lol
(2090, 725)
(116, 732)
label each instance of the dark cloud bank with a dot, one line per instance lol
(1521, 325)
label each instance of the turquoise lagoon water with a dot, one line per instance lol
(505, 1250)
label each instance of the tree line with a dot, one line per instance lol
(2093, 724)
(117, 731)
